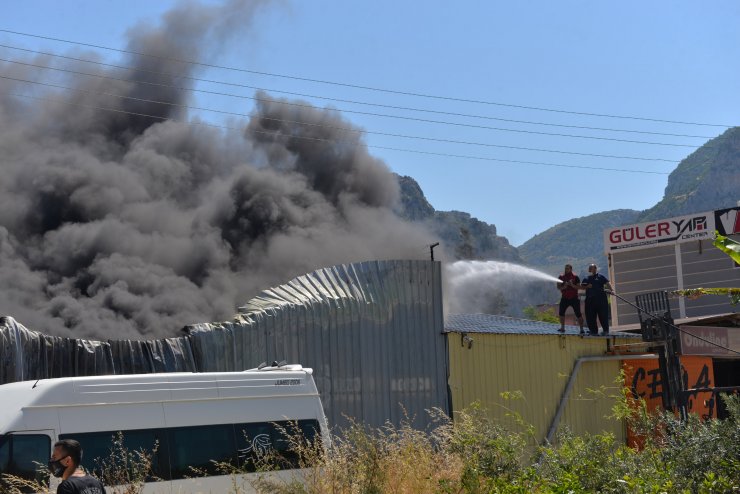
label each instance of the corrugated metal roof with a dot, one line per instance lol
(489, 323)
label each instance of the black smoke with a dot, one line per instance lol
(134, 223)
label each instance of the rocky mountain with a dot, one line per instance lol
(709, 178)
(462, 236)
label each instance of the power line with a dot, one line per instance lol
(102, 76)
(341, 100)
(520, 162)
(483, 158)
(387, 134)
(367, 88)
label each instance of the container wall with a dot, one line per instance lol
(534, 370)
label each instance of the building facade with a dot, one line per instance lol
(672, 254)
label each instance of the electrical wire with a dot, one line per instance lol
(136, 81)
(375, 89)
(367, 88)
(387, 134)
(341, 100)
(448, 155)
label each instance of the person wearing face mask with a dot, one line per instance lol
(65, 464)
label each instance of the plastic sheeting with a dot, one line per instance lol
(29, 355)
(372, 332)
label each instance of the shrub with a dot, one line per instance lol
(124, 471)
(474, 454)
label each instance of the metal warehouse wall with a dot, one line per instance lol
(538, 366)
(658, 269)
(372, 332)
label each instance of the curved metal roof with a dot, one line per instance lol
(489, 323)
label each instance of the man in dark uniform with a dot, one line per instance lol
(569, 285)
(597, 304)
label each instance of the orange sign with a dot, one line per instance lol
(643, 378)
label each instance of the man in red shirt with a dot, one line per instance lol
(568, 286)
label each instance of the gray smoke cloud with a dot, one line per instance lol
(115, 225)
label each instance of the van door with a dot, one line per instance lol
(24, 455)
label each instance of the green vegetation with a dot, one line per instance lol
(474, 454)
(707, 179)
(579, 242)
(728, 246)
(732, 249)
(694, 293)
(126, 469)
(547, 315)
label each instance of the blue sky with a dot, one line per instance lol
(663, 60)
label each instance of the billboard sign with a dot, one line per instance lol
(699, 226)
(727, 221)
(710, 341)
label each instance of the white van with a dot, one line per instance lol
(195, 418)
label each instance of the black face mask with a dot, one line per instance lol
(56, 468)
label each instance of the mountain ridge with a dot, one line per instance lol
(463, 236)
(707, 179)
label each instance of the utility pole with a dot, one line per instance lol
(431, 249)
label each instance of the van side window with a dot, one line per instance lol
(197, 451)
(253, 441)
(257, 439)
(97, 449)
(19, 454)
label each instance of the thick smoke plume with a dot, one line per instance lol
(120, 225)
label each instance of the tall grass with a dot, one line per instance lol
(474, 454)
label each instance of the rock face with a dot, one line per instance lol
(461, 235)
(709, 178)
